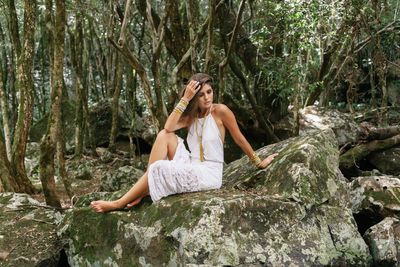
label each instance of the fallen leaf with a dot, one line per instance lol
(4, 255)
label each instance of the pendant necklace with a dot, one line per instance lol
(200, 136)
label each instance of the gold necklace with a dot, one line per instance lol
(201, 137)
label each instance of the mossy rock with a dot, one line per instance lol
(320, 118)
(384, 242)
(386, 161)
(221, 227)
(100, 117)
(28, 232)
(305, 171)
(252, 220)
(125, 176)
(39, 128)
(376, 194)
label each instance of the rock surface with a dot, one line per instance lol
(125, 176)
(294, 212)
(313, 117)
(100, 115)
(27, 232)
(377, 194)
(384, 242)
(387, 161)
(373, 198)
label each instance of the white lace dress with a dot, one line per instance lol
(185, 172)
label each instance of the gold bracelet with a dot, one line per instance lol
(180, 108)
(184, 102)
(256, 160)
(177, 110)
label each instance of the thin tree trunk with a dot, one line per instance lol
(98, 56)
(157, 35)
(133, 60)
(115, 104)
(210, 36)
(85, 104)
(354, 155)
(76, 50)
(3, 93)
(49, 142)
(270, 134)
(222, 65)
(25, 111)
(61, 151)
(5, 170)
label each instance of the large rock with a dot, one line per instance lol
(100, 117)
(125, 176)
(27, 232)
(313, 117)
(380, 194)
(384, 242)
(294, 212)
(386, 161)
(373, 198)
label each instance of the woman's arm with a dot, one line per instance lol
(174, 121)
(229, 121)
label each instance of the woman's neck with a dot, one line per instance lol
(203, 113)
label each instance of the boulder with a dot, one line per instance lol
(39, 128)
(384, 242)
(295, 212)
(373, 198)
(100, 117)
(386, 161)
(125, 176)
(313, 117)
(28, 232)
(376, 193)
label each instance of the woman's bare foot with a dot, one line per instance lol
(104, 206)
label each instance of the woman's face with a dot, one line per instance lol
(205, 97)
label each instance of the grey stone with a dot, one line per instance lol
(375, 194)
(384, 242)
(125, 176)
(28, 232)
(296, 212)
(387, 161)
(318, 118)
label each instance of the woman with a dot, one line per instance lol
(184, 171)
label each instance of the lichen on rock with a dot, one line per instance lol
(295, 212)
(28, 232)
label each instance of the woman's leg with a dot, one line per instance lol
(164, 146)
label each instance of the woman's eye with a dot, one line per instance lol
(209, 91)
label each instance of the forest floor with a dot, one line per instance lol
(85, 174)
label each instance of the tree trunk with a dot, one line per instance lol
(5, 170)
(354, 155)
(76, 50)
(115, 104)
(49, 142)
(25, 111)
(270, 137)
(3, 93)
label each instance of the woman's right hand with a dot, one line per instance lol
(191, 89)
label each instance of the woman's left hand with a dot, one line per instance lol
(267, 161)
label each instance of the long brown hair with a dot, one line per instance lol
(193, 108)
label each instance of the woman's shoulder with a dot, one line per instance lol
(220, 109)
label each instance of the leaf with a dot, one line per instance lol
(4, 255)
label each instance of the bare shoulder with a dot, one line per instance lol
(220, 110)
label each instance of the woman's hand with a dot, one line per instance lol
(191, 89)
(267, 161)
